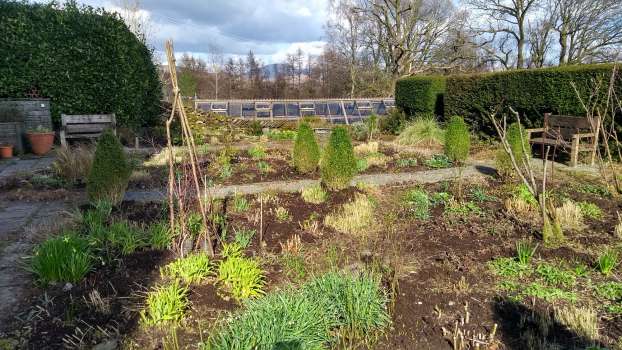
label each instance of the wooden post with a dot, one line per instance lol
(574, 152)
(595, 138)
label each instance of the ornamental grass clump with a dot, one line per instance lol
(166, 304)
(191, 269)
(423, 131)
(110, 172)
(65, 258)
(354, 217)
(457, 140)
(338, 165)
(306, 153)
(241, 276)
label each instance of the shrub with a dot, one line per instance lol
(531, 92)
(193, 268)
(338, 165)
(86, 60)
(393, 123)
(314, 194)
(110, 172)
(354, 217)
(418, 203)
(359, 131)
(457, 140)
(73, 164)
(65, 258)
(423, 131)
(513, 136)
(306, 153)
(165, 304)
(420, 94)
(243, 277)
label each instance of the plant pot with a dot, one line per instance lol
(6, 151)
(40, 142)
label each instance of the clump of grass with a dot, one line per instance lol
(241, 276)
(165, 304)
(353, 217)
(521, 203)
(193, 268)
(264, 167)
(569, 215)
(281, 214)
(423, 131)
(294, 266)
(314, 194)
(240, 204)
(365, 149)
(406, 162)
(159, 235)
(125, 238)
(418, 203)
(65, 258)
(582, 321)
(607, 262)
(525, 251)
(330, 308)
(257, 152)
(73, 165)
(555, 276)
(243, 237)
(590, 210)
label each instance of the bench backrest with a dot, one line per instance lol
(87, 126)
(566, 126)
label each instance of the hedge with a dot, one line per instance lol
(531, 92)
(86, 60)
(420, 94)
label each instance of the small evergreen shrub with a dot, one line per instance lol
(393, 123)
(306, 153)
(513, 136)
(110, 172)
(61, 259)
(338, 165)
(457, 140)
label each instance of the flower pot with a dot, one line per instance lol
(40, 142)
(6, 151)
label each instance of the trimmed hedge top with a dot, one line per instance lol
(85, 60)
(420, 94)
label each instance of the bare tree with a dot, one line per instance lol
(540, 40)
(216, 62)
(505, 27)
(589, 30)
(136, 19)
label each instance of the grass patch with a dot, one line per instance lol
(354, 217)
(193, 268)
(555, 276)
(240, 204)
(590, 210)
(538, 290)
(423, 131)
(159, 235)
(314, 194)
(165, 304)
(65, 258)
(509, 267)
(241, 276)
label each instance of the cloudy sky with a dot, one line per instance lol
(271, 28)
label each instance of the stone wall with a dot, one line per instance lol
(20, 115)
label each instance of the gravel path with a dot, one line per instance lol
(428, 176)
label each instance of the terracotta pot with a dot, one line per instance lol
(41, 142)
(6, 151)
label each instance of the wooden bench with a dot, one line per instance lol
(566, 133)
(85, 126)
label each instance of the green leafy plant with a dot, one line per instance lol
(243, 237)
(607, 262)
(590, 210)
(457, 140)
(314, 194)
(240, 204)
(538, 290)
(280, 135)
(165, 304)
(257, 152)
(361, 165)
(462, 209)
(338, 164)
(524, 251)
(255, 128)
(479, 194)
(306, 153)
(124, 237)
(159, 235)
(241, 276)
(438, 198)
(281, 214)
(509, 267)
(406, 162)
(193, 268)
(393, 123)
(418, 203)
(110, 172)
(610, 290)
(65, 258)
(556, 276)
(438, 161)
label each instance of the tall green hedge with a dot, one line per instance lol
(532, 92)
(86, 60)
(420, 94)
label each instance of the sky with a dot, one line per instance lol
(270, 28)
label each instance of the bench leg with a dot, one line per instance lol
(574, 152)
(63, 139)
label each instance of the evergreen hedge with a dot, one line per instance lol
(86, 60)
(338, 164)
(306, 153)
(531, 92)
(420, 94)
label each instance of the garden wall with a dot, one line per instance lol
(19, 115)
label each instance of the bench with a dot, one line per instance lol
(85, 126)
(566, 133)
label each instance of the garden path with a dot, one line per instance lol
(16, 166)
